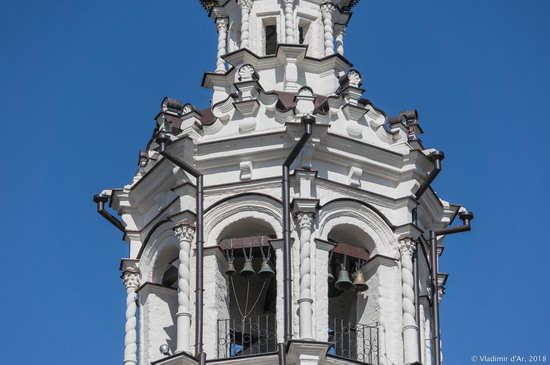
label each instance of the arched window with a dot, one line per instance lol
(251, 326)
(350, 336)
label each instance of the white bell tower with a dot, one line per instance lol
(289, 221)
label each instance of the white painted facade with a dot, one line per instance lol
(359, 169)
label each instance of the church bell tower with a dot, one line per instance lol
(290, 221)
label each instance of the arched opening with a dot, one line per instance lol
(158, 295)
(251, 326)
(349, 335)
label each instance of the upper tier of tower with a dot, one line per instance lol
(261, 25)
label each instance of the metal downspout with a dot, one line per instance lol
(466, 218)
(100, 200)
(199, 302)
(436, 157)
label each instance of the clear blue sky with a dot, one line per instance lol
(80, 83)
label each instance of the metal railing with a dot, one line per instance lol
(354, 341)
(247, 336)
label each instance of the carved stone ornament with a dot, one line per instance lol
(184, 232)
(247, 73)
(327, 9)
(130, 278)
(406, 247)
(222, 24)
(304, 220)
(355, 78)
(247, 4)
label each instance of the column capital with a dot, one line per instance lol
(245, 4)
(222, 23)
(304, 220)
(184, 232)
(406, 246)
(131, 278)
(327, 8)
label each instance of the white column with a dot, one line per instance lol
(221, 26)
(320, 309)
(184, 234)
(130, 277)
(410, 337)
(326, 11)
(289, 21)
(277, 245)
(425, 331)
(305, 222)
(245, 5)
(340, 32)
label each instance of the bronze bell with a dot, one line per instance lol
(248, 269)
(344, 281)
(230, 270)
(359, 282)
(330, 277)
(332, 291)
(266, 272)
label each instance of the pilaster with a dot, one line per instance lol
(410, 329)
(221, 26)
(340, 32)
(322, 254)
(289, 21)
(277, 246)
(131, 279)
(327, 10)
(184, 233)
(215, 296)
(304, 210)
(245, 5)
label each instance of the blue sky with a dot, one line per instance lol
(80, 83)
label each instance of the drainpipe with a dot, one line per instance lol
(100, 200)
(281, 353)
(436, 157)
(416, 275)
(308, 121)
(162, 139)
(466, 218)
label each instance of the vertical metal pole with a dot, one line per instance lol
(200, 270)
(435, 300)
(281, 353)
(416, 274)
(287, 280)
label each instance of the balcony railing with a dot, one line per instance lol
(247, 336)
(354, 341)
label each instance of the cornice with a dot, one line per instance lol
(324, 245)
(148, 286)
(376, 261)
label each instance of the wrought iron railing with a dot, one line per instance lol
(247, 336)
(354, 341)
